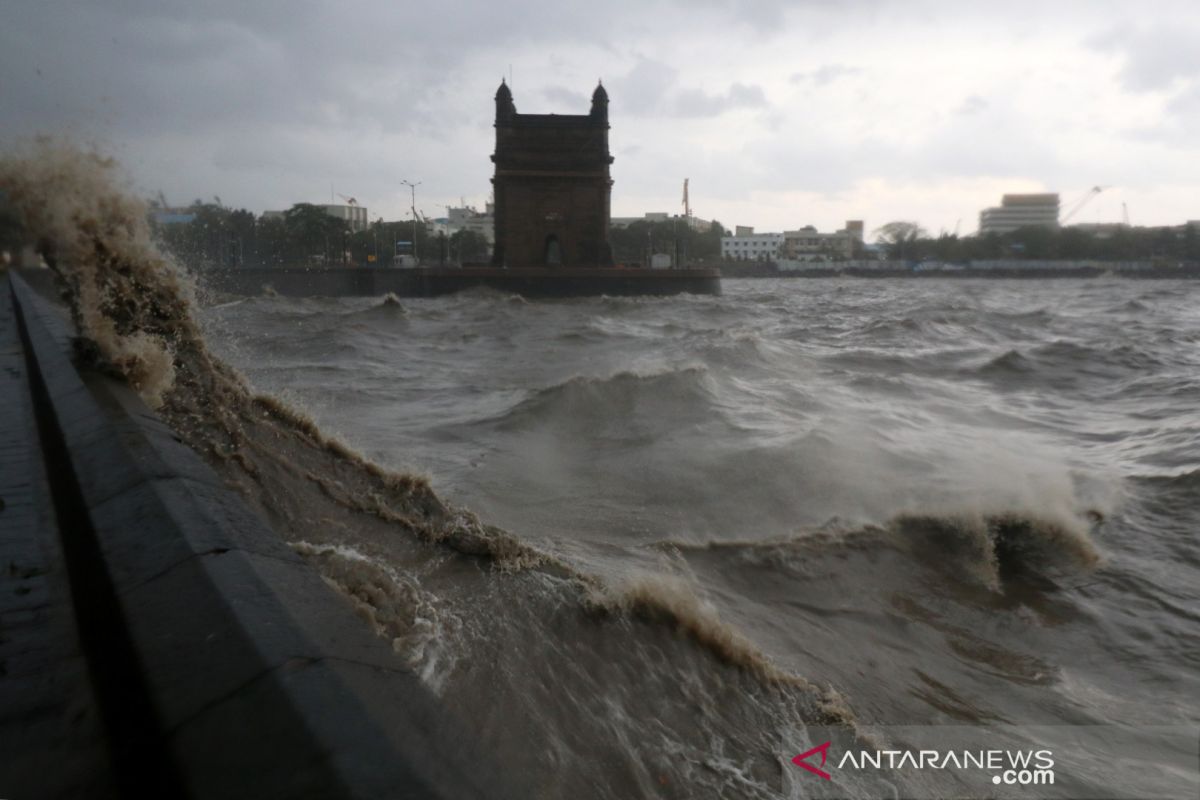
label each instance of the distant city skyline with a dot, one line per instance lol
(781, 114)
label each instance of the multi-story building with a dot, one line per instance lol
(1020, 211)
(750, 246)
(809, 244)
(805, 244)
(353, 214)
(459, 218)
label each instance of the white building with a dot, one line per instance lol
(354, 215)
(805, 244)
(460, 218)
(1020, 211)
(750, 246)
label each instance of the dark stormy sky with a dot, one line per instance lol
(781, 113)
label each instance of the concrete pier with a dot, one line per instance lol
(436, 281)
(157, 638)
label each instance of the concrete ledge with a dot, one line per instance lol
(52, 741)
(436, 281)
(262, 681)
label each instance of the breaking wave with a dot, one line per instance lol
(674, 605)
(135, 307)
(584, 401)
(994, 547)
(986, 549)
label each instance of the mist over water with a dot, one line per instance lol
(953, 502)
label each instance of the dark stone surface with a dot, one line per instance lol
(196, 513)
(51, 738)
(296, 763)
(259, 680)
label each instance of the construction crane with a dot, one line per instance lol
(350, 201)
(1080, 203)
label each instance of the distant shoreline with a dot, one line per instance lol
(1191, 272)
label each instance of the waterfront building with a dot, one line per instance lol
(809, 244)
(552, 186)
(354, 215)
(460, 218)
(804, 244)
(1020, 211)
(746, 245)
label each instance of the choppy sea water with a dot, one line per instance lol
(954, 502)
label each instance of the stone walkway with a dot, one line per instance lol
(51, 735)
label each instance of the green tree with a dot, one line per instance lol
(900, 239)
(467, 246)
(315, 236)
(205, 241)
(634, 243)
(1035, 242)
(1191, 242)
(270, 242)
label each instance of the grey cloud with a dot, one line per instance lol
(698, 103)
(763, 16)
(991, 143)
(651, 88)
(137, 67)
(1178, 130)
(255, 99)
(167, 75)
(261, 101)
(571, 101)
(1186, 104)
(1155, 57)
(644, 89)
(168, 66)
(795, 18)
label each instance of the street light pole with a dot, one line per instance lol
(413, 187)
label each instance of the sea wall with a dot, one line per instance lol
(435, 281)
(218, 663)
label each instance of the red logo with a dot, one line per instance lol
(823, 749)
